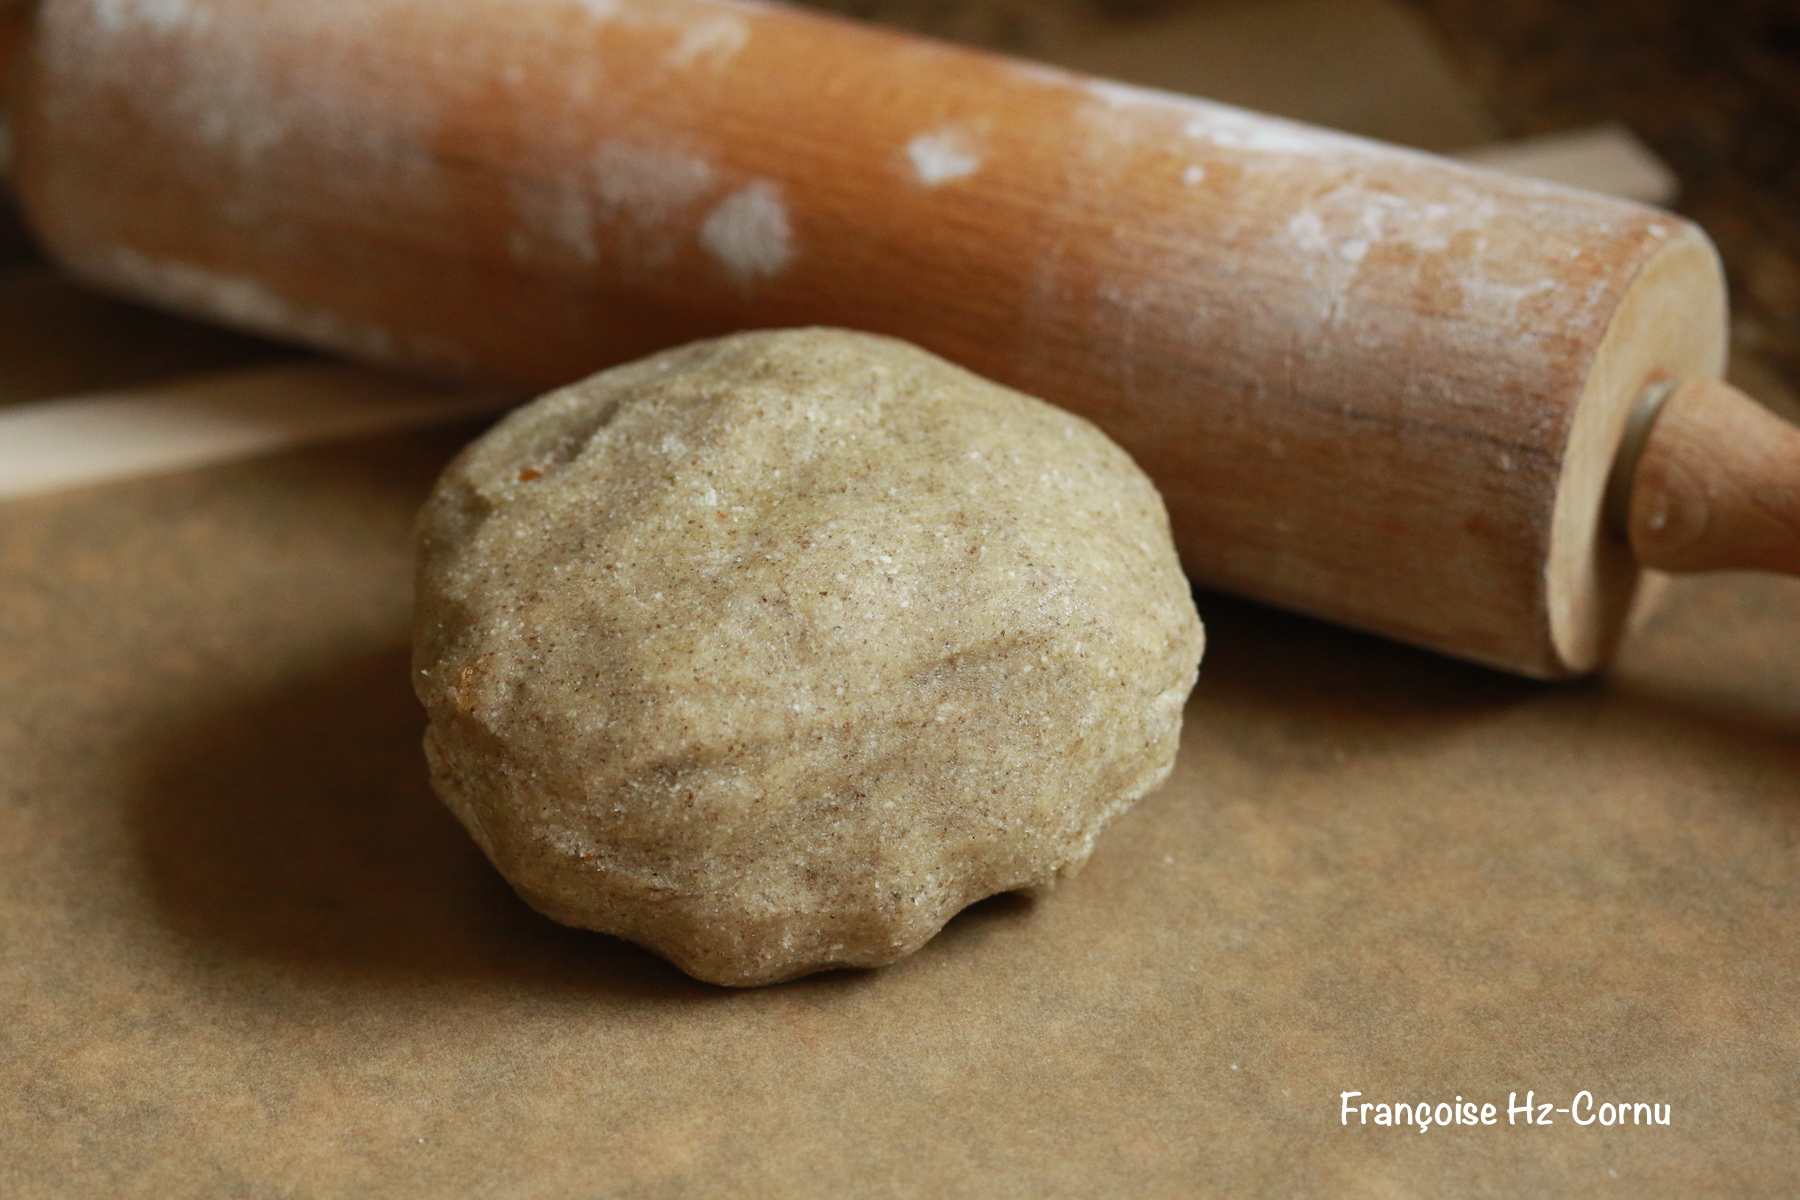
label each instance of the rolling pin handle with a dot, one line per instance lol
(1715, 484)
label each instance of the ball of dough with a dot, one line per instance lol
(773, 652)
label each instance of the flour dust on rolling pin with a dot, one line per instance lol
(1372, 385)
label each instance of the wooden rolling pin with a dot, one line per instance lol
(1373, 385)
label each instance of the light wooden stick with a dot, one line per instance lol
(79, 441)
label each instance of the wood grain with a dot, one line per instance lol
(1372, 385)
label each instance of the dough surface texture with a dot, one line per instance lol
(772, 653)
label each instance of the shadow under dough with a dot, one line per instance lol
(300, 827)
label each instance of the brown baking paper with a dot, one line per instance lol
(244, 952)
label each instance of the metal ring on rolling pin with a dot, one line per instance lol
(1649, 406)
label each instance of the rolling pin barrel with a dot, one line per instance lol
(1373, 385)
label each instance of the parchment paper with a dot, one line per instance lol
(243, 952)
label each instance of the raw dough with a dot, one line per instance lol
(773, 652)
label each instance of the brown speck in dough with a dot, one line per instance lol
(805, 736)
